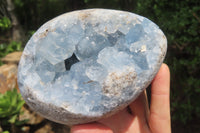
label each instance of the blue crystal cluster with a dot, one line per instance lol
(88, 64)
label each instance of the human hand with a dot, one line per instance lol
(137, 118)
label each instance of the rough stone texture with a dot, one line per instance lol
(46, 129)
(89, 64)
(8, 71)
(38, 124)
(32, 117)
(8, 77)
(12, 58)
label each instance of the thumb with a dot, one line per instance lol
(159, 119)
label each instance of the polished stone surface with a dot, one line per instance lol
(88, 64)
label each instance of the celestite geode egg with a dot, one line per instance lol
(88, 64)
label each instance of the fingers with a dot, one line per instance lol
(140, 111)
(122, 122)
(139, 108)
(159, 120)
(90, 128)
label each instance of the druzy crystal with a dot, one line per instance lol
(86, 65)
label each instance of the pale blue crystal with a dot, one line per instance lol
(88, 64)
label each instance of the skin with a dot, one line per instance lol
(137, 117)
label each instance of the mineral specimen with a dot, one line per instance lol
(88, 64)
